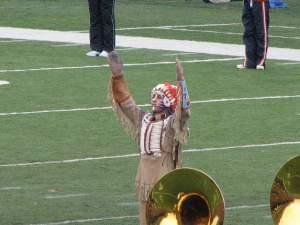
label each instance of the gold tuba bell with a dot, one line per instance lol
(185, 197)
(285, 194)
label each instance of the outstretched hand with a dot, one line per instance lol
(179, 70)
(115, 63)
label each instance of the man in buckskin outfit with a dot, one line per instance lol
(159, 133)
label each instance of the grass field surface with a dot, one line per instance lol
(64, 158)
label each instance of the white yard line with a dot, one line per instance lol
(229, 33)
(147, 43)
(65, 196)
(285, 27)
(12, 41)
(55, 111)
(178, 26)
(247, 207)
(3, 82)
(290, 63)
(68, 161)
(126, 64)
(88, 220)
(9, 188)
(68, 45)
(240, 147)
(244, 146)
(146, 105)
(126, 204)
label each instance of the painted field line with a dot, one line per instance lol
(126, 64)
(198, 25)
(52, 68)
(285, 27)
(3, 82)
(290, 63)
(56, 111)
(246, 99)
(241, 147)
(68, 161)
(148, 43)
(68, 45)
(126, 204)
(188, 25)
(178, 26)
(64, 196)
(146, 105)
(229, 33)
(88, 220)
(9, 188)
(247, 207)
(12, 41)
(135, 216)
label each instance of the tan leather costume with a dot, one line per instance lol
(159, 141)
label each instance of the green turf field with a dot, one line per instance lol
(242, 138)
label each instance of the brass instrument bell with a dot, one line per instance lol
(185, 197)
(285, 194)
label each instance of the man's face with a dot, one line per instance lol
(157, 102)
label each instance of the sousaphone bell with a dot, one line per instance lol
(285, 194)
(185, 197)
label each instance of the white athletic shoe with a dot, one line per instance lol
(260, 67)
(241, 66)
(104, 54)
(93, 53)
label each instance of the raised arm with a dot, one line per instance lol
(182, 112)
(123, 104)
(119, 86)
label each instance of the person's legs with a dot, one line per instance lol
(108, 25)
(261, 17)
(249, 36)
(95, 25)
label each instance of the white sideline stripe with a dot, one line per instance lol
(3, 82)
(147, 43)
(126, 64)
(136, 155)
(64, 196)
(146, 105)
(88, 220)
(9, 188)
